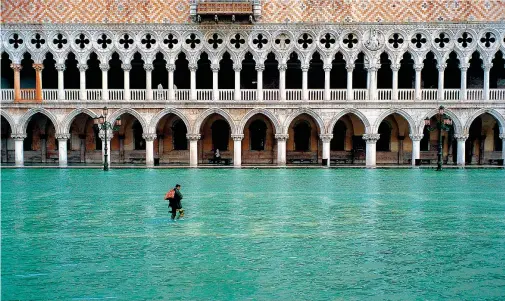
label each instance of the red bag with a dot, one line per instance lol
(170, 194)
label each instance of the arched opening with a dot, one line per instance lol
(338, 73)
(84, 145)
(137, 74)
(425, 141)
(385, 74)
(394, 145)
(248, 74)
(71, 79)
(360, 74)
(293, 72)
(204, 73)
(182, 73)
(497, 73)
(347, 145)
(93, 73)
(271, 73)
(7, 142)
(127, 144)
(115, 75)
(226, 75)
(452, 73)
(475, 73)
(429, 74)
(171, 147)
(215, 135)
(484, 145)
(303, 144)
(258, 145)
(27, 73)
(49, 73)
(406, 74)
(138, 141)
(430, 141)
(40, 145)
(316, 72)
(7, 75)
(159, 73)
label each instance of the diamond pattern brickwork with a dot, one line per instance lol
(273, 11)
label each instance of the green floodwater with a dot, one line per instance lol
(276, 234)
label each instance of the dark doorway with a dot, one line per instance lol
(302, 136)
(258, 131)
(220, 135)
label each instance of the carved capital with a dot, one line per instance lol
(148, 67)
(82, 67)
(170, 67)
(62, 136)
(281, 137)
(193, 137)
(487, 67)
(237, 137)
(326, 137)
(192, 67)
(214, 67)
(110, 135)
(464, 66)
(395, 67)
(38, 67)
(461, 137)
(418, 67)
(282, 67)
(18, 137)
(305, 68)
(349, 67)
(327, 67)
(126, 67)
(416, 137)
(60, 67)
(260, 67)
(149, 136)
(441, 67)
(104, 67)
(371, 138)
(16, 67)
(237, 67)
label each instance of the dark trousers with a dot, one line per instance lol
(173, 211)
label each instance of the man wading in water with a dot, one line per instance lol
(174, 198)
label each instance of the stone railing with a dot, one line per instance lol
(248, 95)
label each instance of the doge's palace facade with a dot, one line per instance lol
(281, 83)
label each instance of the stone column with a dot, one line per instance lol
(281, 148)
(38, 81)
(305, 82)
(373, 82)
(148, 67)
(282, 81)
(326, 139)
(259, 85)
(61, 88)
(192, 68)
(17, 81)
(105, 90)
(215, 83)
(371, 143)
(82, 76)
(62, 149)
(101, 135)
(82, 148)
(18, 147)
(418, 68)
(461, 149)
(193, 149)
(350, 69)
(400, 149)
(395, 68)
(464, 68)
(416, 147)
(237, 149)
(487, 69)
(441, 72)
(43, 148)
(149, 149)
(237, 68)
(171, 91)
(121, 148)
(126, 74)
(502, 137)
(327, 72)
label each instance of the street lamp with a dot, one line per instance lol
(102, 124)
(443, 124)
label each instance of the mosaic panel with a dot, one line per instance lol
(273, 11)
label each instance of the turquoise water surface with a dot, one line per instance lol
(276, 234)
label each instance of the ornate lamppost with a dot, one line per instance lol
(443, 124)
(104, 125)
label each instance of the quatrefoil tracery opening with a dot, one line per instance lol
(104, 41)
(170, 41)
(305, 41)
(418, 40)
(215, 41)
(38, 41)
(192, 41)
(260, 41)
(442, 40)
(82, 41)
(148, 41)
(15, 41)
(396, 40)
(126, 41)
(327, 40)
(465, 40)
(237, 41)
(59, 41)
(350, 40)
(488, 39)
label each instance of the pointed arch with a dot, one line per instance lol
(132, 112)
(499, 117)
(23, 121)
(359, 114)
(9, 119)
(260, 111)
(198, 123)
(311, 113)
(456, 122)
(382, 116)
(67, 121)
(156, 119)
